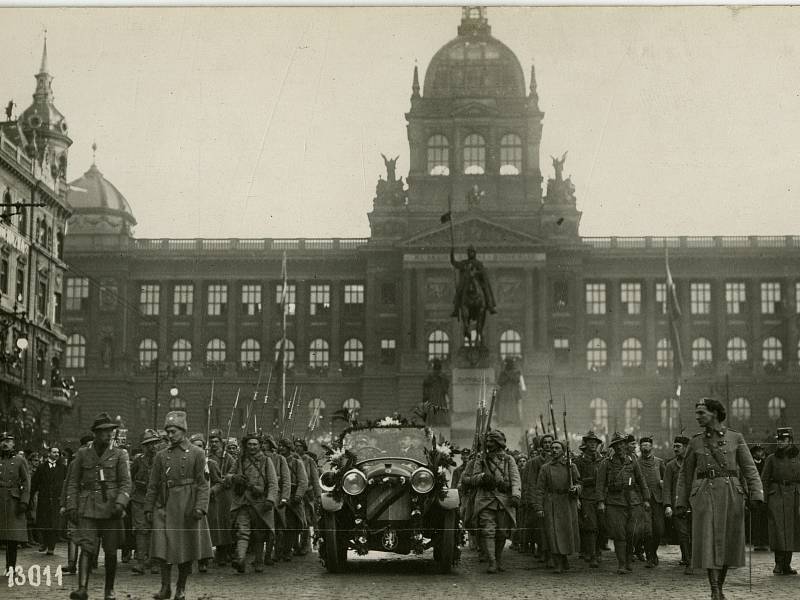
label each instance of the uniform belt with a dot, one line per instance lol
(716, 473)
(96, 486)
(171, 483)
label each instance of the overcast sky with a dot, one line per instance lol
(226, 122)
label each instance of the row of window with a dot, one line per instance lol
(700, 297)
(473, 155)
(43, 231)
(740, 411)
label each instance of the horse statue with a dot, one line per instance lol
(472, 310)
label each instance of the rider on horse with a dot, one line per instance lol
(470, 269)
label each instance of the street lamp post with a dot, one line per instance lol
(173, 390)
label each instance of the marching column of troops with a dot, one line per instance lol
(177, 503)
(555, 506)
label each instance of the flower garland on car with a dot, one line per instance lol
(440, 458)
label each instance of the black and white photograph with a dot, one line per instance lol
(454, 301)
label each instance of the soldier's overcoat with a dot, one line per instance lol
(15, 489)
(781, 478)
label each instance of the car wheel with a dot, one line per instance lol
(335, 545)
(444, 548)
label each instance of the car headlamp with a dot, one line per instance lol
(422, 480)
(354, 482)
(327, 481)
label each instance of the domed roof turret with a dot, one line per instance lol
(474, 64)
(98, 206)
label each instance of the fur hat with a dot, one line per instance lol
(681, 439)
(176, 418)
(498, 436)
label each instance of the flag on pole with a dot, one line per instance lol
(674, 317)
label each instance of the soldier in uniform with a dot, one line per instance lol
(494, 477)
(221, 464)
(295, 511)
(15, 495)
(588, 464)
(531, 475)
(176, 505)
(653, 471)
(623, 495)
(276, 537)
(46, 485)
(72, 547)
(140, 475)
(255, 493)
(681, 523)
(98, 488)
(758, 525)
(781, 479)
(312, 497)
(711, 483)
(556, 504)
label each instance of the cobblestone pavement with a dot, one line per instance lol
(397, 578)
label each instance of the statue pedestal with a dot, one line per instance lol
(468, 385)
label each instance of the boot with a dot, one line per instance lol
(721, 581)
(72, 559)
(183, 574)
(713, 574)
(84, 570)
(488, 544)
(222, 556)
(565, 562)
(559, 563)
(778, 568)
(202, 565)
(591, 548)
(548, 560)
(787, 564)
(258, 555)
(238, 562)
(111, 575)
(166, 579)
(499, 545)
(11, 555)
(621, 551)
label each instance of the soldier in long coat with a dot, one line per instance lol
(717, 476)
(556, 503)
(140, 475)
(219, 509)
(176, 504)
(758, 522)
(98, 489)
(295, 511)
(624, 500)
(781, 480)
(682, 524)
(15, 495)
(588, 463)
(653, 470)
(312, 496)
(530, 476)
(275, 537)
(494, 477)
(47, 484)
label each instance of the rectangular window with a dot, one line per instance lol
(149, 298)
(770, 297)
(57, 307)
(735, 297)
(661, 298)
(217, 299)
(388, 351)
(251, 299)
(291, 297)
(700, 298)
(388, 293)
(20, 292)
(320, 301)
(596, 298)
(183, 299)
(560, 295)
(41, 296)
(4, 272)
(630, 294)
(77, 292)
(353, 294)
(561, 349)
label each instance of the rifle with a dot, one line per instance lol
(208, 417)
(566, 440)
(291, 415)
(541, 420)
(552, 414)
(230, 421)
(266, 394)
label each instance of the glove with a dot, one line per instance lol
(283, 502)
(668, 512)
(148, 517)
(646, 505)
(22, 508)
(514, 501)
(118, 511)
(72, 515)
(601, 506)
(197, 514)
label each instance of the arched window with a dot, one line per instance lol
(474, 155)
(772, 352)
(776, 408)
(318, 354)
(215, 351)
(701, 352)
(633, 415)
(737, 350)
(740, 409)
(353, 407)
(250, 353)
(663, 354)
(510, 344)
(596, 354)
(631, 353)
(510, 154)
(438, 155)
(181, 353)
(148, 352)
(438, 345)
(599, 409)
(289, 358)
(76, 352)
(353, 353)
(670, 413)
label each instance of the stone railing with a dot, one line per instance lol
(740, 241)
(252, 244)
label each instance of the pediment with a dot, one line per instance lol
(473, 109)
(476, 230)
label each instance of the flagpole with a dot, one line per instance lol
(284, 297)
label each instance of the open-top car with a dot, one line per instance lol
(385, 488)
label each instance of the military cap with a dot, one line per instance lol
(630, 438)
(302, 443)
(591, 435)
(286, 442)
(103, 421)
(176, 418)
(617, 438)
(197, 437)
(149, 436)
(498, 436)
(681, 439)
(216, 434)
(784, 433)
(645, 438)
(6, 435)
(712, 405)
(756, 446)
(270, 441)
(250, 436)
(85, 439)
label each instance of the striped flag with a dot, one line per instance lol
(674, 316)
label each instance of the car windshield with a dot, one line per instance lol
(397, 442)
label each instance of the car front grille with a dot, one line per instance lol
(398, 510)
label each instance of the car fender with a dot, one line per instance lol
(329, 504)
(451, 500)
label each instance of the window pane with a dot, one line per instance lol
(770, 297)
(318, 354)
(438, 155)
(290, 299)
(353, 353)
(631, 353)
(596, 298)
(438, 345)
(76, 352)
(353, 294)
(183, 299)
(510, 344)
(474, 155)
(510, 155)
(700, 295)
(148, 352)
(320, 302)
(77, 291)
(250, 353)
(596, 354)
(701, 352)
(181, 353)
(251, 299)
(737, 350)
(149, 298)
(735, 296)
(631, 297)
(664, 354)
(217, 300)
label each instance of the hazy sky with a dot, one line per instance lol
(230, 122)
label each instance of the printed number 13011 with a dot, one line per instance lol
(35, 576)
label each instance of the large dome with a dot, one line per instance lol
(98, 205)
(474, 65)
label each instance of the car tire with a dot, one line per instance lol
(445, 546)
(335, 545)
